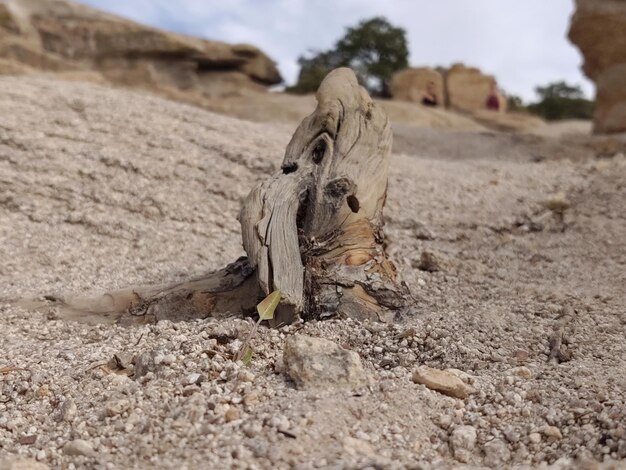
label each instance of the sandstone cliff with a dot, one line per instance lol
(410, 84)
(468, 88)
(598, 28)
(460, 87)
(74, 40)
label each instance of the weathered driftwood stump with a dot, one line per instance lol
(314, 230)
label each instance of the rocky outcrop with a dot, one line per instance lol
(598, 28)
(62, 36)
(460, 88)
(407, 86)
(468, 88)
(410, 84)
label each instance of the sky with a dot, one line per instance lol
(522, 43)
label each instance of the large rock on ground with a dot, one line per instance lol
(598, 28)
(320, 364)
(468, 88)
(62, 36)
(410, 84)
(442, 381)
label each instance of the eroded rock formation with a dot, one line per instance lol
(598, 28)
(468, 88)
(410, 84)
(461, 88)
(64, 37)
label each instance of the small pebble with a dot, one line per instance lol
(78, 447)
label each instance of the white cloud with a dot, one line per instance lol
(523, 43)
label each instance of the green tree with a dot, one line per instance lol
(313, 70)
(560, 90)
(558, 100)
(515, 103)
(374, 49)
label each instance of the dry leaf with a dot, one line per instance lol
(247, 357)
(266, 312)
(268, 305)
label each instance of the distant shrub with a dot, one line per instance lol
(374, 49)
(514, 103)
(559, 100)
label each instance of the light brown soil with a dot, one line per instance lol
(101, 189)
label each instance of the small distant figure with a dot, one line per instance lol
(494, 98)
(429, 98)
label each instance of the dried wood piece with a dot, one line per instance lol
(314, 230)
(229, 291)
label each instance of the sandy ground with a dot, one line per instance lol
(101, 189)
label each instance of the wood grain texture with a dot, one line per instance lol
(314, 230)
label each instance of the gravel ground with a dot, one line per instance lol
(517, 266)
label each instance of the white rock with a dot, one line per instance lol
(245, 376)
(67, 411)
(521, 371)
(357, 447)
(316, 363)
(496, 453)
(194, 378)
(167, 359)
(116, 407)
(511, 435)
(552, 433)
(445, 421)
(78, 447)
(144, 364)
(442, 381)
(462, 442)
